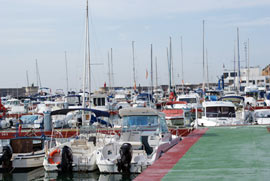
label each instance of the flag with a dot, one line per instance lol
(146, 74)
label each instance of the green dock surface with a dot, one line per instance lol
(226, 153)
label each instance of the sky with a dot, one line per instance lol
(44, 30)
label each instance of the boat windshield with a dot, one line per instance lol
(140, 122)
(220, 112)
(262, 114)
(188, 100)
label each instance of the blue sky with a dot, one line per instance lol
(44, 30)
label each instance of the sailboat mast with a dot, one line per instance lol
(248, 60)
(169, 69)
(109, 70)
(88, 56)
(27, 79)
(207, 73)
(38, 75)
(182, 64)
(156, 74)
(86, 62)
(66, 70)
(133, 59)
(112, 68)
(152, 69)
(238, 54)
(170, 62)
(234, 63)
(203, 86)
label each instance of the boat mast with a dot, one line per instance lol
(234, 61)
(133, 59)
(86, 63)
(207, 73)
(156, 74)
(27, 78)
(203, 86)
(248, 60)
(170, 62)
(152, 69)
(112, 68)
(38, 76)
(169, 69)
(238, 54)
(88, 58)
(66, 70)
(109, 70)
(182, 67)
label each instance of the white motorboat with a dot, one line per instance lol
(144, 138)
(23, 153)
(261, 116)
(78, 154)
(218, 113)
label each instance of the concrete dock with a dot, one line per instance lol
(218, 153)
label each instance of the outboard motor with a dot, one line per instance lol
(6, 157)
(124, 163)
(67, 160)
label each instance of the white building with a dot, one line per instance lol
(255, 77)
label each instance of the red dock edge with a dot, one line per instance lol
(163, 165)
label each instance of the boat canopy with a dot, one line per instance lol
(98, 113)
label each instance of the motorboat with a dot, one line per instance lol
(144, 100)
(143, 139)
(22, 153)
(218, 113)
(261, 116)
(79, 153)
(177, 113)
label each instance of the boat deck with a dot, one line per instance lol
(220, 153)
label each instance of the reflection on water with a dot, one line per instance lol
(40, 174)
(37, 174)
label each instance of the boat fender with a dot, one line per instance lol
(66, 160)
(6, 157)
(51, 155)
(124, 163)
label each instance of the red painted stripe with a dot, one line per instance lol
(163, 165)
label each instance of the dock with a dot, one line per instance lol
(218, 153)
